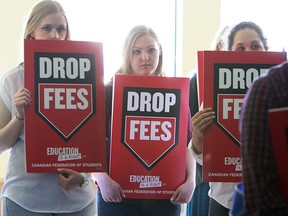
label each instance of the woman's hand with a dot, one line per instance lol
(69, 179)
(21, 100)
(183, 193)
(200, 122)
(111, 191)
(10, 127)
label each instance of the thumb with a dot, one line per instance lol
(174, 196)
(65, 172)
(123, 194)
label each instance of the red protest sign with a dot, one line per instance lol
(224, 78)
(149, 134)
(278, 124)
(65, 125)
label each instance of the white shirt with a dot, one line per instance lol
(222, 192)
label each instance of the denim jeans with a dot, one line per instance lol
(139, 207)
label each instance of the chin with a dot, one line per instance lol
(147, 73)
(143, 73)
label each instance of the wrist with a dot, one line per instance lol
(85, 180)
(196, 148)
(100, 178)
(19, 117)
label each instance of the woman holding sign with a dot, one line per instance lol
(245, 36)
(142, 55)
(34, 194)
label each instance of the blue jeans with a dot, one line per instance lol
(10, 208)
(139, 207)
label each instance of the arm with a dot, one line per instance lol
(10, 127)
(184, 192)
(111, 191)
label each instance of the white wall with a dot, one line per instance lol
(201, 20)
(12, 19)
(199, 26)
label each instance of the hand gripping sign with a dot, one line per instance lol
(223, 79)
(149, 135)
(65, 126)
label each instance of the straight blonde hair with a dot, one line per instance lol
(134, 34)
(39, 12)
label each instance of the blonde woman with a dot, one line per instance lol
(56, 194)
(142, 55)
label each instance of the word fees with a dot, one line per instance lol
(65, 126)
(223, 80)
(149, 134)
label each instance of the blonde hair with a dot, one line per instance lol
(39, 12)
(134, 34)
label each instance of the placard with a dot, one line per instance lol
(224, 77)
(278, 124)
(149, 135)
(65, 125)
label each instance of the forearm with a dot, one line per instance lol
(198, 157)
(197, 145)
(190, 166)
(99, 177)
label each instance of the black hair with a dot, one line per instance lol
(243, 25)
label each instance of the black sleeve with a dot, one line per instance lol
(193, 99)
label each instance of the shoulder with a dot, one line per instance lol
(274, 77)
(13, 77)
(279, 72)
(13, 73)
(270, 89)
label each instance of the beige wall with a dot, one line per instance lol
(199, 25)
(12, 19)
